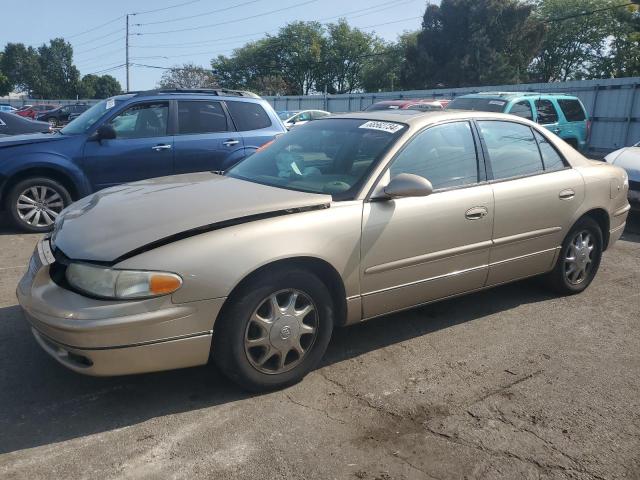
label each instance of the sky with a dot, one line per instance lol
(164, 33)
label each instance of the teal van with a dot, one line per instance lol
(562, 114)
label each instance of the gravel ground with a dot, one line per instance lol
(508, 383)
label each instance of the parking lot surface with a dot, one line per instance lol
(509, 383)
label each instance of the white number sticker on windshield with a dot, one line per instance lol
(388, 127)
(110, 103)
(496, 102)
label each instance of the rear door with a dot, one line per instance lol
(547, 115)
(253, 123)
(575, 124)
(143, 147)
(205, 139)
(536, 197)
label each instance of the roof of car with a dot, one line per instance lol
(417, 117)
(512, 95)
(218, 92)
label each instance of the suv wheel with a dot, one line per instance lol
(35, 203)
(275, 330)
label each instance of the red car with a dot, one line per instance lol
(421, 104)
(31, 111)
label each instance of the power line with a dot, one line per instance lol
(214, 40)
(105, 70)
(99, 38)
(229, 21)
(165, 8)
(199, 15)
(587, 13)
(94, 28)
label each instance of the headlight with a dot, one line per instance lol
(121, 284)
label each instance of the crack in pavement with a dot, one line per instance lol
(319, 410)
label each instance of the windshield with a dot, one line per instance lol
(332, 156)
(286, 115)
(478, 104)
(86, 120)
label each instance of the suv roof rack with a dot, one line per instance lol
(221, 92)
(524, 94)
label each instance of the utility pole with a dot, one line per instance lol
(127, 52)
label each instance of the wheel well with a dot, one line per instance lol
(40, 172)
(322, 269)
(601, 217)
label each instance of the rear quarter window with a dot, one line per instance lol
(248, 115)
(572, 110)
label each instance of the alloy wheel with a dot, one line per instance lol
(39, 205)
(281, 331)
(578, 259)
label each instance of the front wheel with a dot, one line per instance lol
(275, 330)
(35, 203)
(579, 258)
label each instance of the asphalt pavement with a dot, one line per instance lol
(510, 383)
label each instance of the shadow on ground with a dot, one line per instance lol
(41, 402)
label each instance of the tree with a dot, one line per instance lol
(5, 84)
(470, 42)
(382, 70)
(60, 77)
(21, 66)
(623, 46)
(188, 75)
(94, 86)
(346, 52)
(574, 41)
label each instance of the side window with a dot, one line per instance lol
(522, 109)
(512, 149)
(317, 114)
(551, 158)
(142, 121)
(248, 115)
(201, 117)
(572, 110)
(445, 155)
(546, 112)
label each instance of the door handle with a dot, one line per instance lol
(230, 143)
(160, 147)
(567, 194)
(476, 213)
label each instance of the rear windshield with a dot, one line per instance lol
(332, 156)
(382, 106)
(572, 110)
(478, 104)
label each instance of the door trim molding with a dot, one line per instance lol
(428, 257)
(525, 236)
(424, 280)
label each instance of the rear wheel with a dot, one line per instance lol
(35, 203)
(579, 258)
(275, 330)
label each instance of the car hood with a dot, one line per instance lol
(118, 222)
(29, 138)
(629, 159)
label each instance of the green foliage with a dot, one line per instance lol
(470, 42)
(623, 59)
(59, 76)
(94, 86)
(303, 57)
(188, 75)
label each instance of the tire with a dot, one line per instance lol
(56, 198)
(237, 328)
(560, 279)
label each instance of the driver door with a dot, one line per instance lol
(419, 249)
(142, 148)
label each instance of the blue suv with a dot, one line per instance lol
(127, 138)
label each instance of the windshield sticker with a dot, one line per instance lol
(388, 127)
(110, 103)
(295, 168)
(496, 102)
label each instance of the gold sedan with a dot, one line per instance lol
(347, 218)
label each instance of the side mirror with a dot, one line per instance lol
(408, 185)
(105, 132)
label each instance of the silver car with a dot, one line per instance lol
(339, 221)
